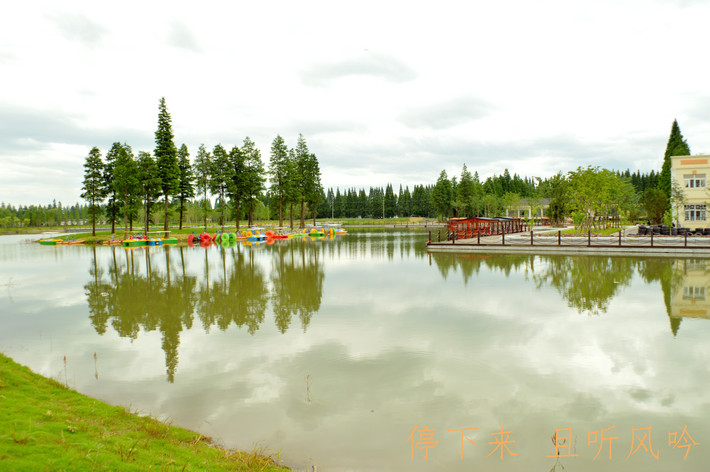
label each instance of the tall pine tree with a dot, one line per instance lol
(278, 173)
(125, 183)
(314, 189)
(149, 183)
(238, 181)
(220, 178)
(203, 171)
(292, 185)
(301, 167)
(443, 195)
(112, 207)
(464, 193)
(186, 189)
(93, 185)
(253, 179)
(166, 158)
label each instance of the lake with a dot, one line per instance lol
(365, 353)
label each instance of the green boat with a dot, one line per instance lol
(169, 240)
(49, 242)
(134, 242)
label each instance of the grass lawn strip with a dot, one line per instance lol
(595, 232)
(45, 426)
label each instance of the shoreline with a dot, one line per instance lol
(48, 425)
(547, 242)
(182, 235)
(571, 250)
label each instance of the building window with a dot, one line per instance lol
(693, 293)
(695, 265)
(695, 213)
(694, 180)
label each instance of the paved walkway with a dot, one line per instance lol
(547, 242)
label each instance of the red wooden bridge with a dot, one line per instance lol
(464, 228)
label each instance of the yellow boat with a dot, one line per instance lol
(71, 242)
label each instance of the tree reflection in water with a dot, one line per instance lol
(239, 294)
(297, 281)
(144, 291)
(587, 283)
(470, 264)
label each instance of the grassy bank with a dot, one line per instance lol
(45, 426)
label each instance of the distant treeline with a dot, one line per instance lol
(349, 203)
(53, 214)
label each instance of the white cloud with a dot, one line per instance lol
(368, 64)
(77, 27)
(384, 93)
(180, 36)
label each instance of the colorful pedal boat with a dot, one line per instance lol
(71, 241)
(134, 242)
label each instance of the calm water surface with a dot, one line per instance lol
(364, 353)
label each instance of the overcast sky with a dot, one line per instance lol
(384, 92)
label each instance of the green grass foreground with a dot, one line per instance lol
(45, 426)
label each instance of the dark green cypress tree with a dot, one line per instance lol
(442, 195)
(677, 146)
(361, 203)
(464, 193)
(338, 210)
(325, 207)
(390, 202)
(405, 202)
(166, 158)
(377, 208)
